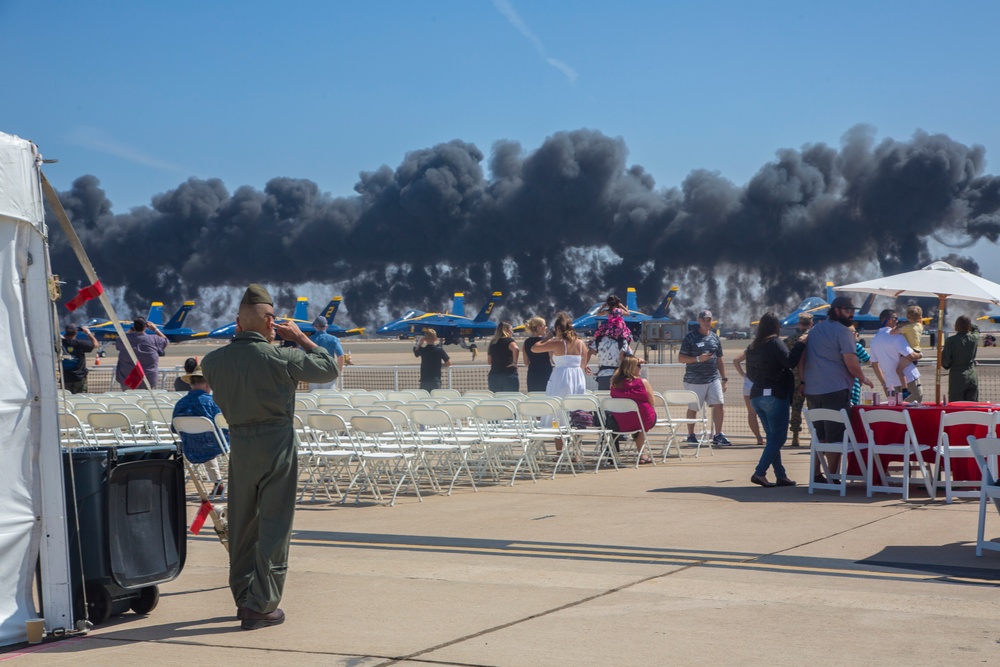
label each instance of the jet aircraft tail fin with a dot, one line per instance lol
(155, 314)
(661, 311)
(301, 309)
(458, 304)
(330, 312)
(631, 301)
(177, 321)
(484, 314)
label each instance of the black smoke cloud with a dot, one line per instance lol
(555, 228)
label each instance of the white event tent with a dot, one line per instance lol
(32, 507)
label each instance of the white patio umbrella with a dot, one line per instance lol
(939, 279)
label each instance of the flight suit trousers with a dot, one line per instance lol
(798, 400)
(263, 475)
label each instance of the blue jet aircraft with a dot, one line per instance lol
(390, 328)
(453, 329)
(863, 319)
(587, 324)
(300, 316)
(104, 330)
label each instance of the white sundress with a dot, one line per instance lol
(567, 377)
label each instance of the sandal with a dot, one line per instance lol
(645, 460)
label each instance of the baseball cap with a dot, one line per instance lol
(843, 302)
(320, 322)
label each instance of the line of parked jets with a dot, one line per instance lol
(453, 326)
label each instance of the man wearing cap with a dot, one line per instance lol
(798, 398)
(705, 375)
(329, 343)
(829, 368)
(886, 352)
(255, 384)
(74, 359)
(149, 344)
(201, 447)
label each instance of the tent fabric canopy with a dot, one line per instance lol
(934, 280)
(938, 280)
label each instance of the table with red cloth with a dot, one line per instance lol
(926, 420)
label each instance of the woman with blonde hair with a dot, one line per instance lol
(626, 383)
(502, 358)
(539, 363)
(569, 355)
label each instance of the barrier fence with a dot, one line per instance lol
(466, 378)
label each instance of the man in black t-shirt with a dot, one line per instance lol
(74, 358)
(432, 359)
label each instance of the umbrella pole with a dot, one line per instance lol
(940, 341)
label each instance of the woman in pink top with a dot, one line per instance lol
(626, 383)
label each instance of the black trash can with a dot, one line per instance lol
(132, 526)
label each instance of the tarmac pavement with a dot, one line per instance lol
(683, 563)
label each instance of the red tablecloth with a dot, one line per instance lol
(926, 421)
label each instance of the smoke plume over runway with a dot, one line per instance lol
(556, 227)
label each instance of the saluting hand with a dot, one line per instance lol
(290, 331)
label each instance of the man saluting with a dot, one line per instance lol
(254, 384)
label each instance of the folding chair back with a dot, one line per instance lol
(676, 399)
(847, 444)
(446, 393)
(895, 427)
(952, 443)
(623, 406)
(987, 453)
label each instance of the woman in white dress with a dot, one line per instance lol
(569, 358)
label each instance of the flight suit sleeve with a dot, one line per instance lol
(317, 365)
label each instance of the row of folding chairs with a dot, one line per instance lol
(492, 439)
(896, 460)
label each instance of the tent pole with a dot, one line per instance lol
(940, 341)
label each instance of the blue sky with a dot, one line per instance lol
(145, 95)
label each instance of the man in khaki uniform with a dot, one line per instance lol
(255, 384)
(798, 398)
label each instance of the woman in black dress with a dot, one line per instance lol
(502, 357)
(539, 363)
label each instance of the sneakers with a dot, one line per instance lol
(720, 440)
(692, 439)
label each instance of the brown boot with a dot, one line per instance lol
(795, 438)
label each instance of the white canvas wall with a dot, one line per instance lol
(31, 495)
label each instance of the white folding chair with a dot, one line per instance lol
(539, 431)
(446, 393)
(503, 442)
(987, 453)
(443, 448)
(389, 459)
(329, 455)
(626, 406)
(984, 425)
(115, 428)
(72, 432)
(674, 399)
(191, 425)
(603, 450)
(909, 449)
(847, 445)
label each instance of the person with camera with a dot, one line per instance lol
(149, 344)
(74, 358)
(432, 359)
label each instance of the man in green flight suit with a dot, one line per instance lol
(254, 384)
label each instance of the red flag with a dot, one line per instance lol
(199, 519)
(84, 295)
(134, 378)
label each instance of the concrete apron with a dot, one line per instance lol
(683, 563)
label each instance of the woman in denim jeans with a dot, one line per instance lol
(769, 365)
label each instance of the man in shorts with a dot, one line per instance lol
(701, 351)
(830, 365)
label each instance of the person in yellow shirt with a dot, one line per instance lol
(912, 331)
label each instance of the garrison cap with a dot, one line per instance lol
(256, 294)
